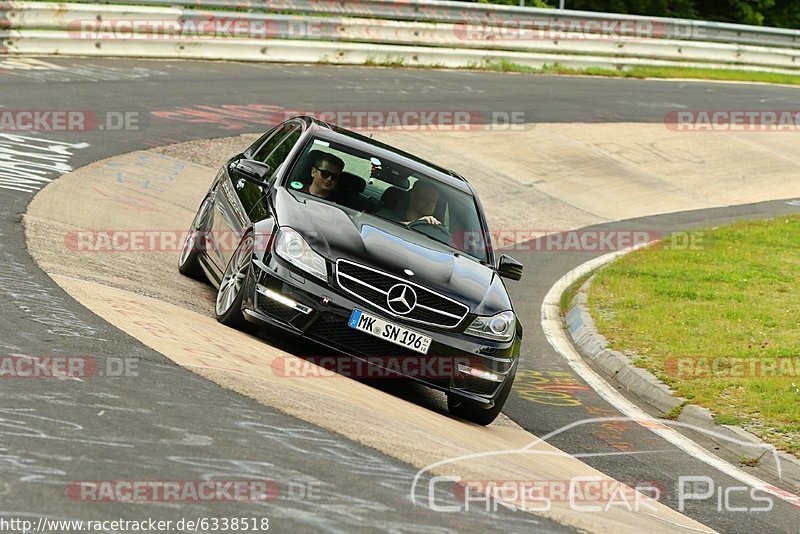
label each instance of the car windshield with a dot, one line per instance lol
(385, 189)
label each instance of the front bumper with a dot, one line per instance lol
(280, 296)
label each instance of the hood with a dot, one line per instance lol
(337, 233)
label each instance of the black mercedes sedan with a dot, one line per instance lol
(377, 255)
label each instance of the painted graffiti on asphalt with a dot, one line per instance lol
(28, 163)
(238, 117)
(149, 171)
(39, 303)
(228, 117)
(553, 388)
(45, 72)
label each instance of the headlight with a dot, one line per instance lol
(500, 327)
(291, 246)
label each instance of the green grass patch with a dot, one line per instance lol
(749, 461)
(674, 413)
(571, 291)
(726, 420)
(387, 61)
(720, 322)
(729, 75)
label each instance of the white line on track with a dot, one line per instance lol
(557, 337)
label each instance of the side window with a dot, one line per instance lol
(273, 153)
(282, 149)
(275, 133)
(278, 134)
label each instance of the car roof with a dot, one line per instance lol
(363, 143)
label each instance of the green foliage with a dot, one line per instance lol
(740, 11)
(780, 13)
(749, 461)
(785, 13)
(646, 72)
(653, 8)
(674, 413)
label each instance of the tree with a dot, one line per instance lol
(780, 13)
(785, 13)
(652, 8)
(739, 11)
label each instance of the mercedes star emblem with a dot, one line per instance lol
(401, 299)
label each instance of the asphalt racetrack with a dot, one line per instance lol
(588, 153)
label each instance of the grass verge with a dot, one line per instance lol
(728, 75)
(571, 291)
(719, 322)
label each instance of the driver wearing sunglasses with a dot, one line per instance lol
(325, 175)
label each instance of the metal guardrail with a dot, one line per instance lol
(474, 13)
(88, 29)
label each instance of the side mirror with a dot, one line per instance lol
(251, 170)
(509, 268)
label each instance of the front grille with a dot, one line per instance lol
(372, 286)
(334, 331)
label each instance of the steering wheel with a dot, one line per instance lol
(436, 231)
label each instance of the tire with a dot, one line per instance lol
(473, 412)
(195, 242)
(232, 288)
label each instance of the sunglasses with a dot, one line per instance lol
(328, 174)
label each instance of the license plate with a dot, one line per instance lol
(393, 333)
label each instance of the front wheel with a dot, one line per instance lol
(473, 412)
(195, 243)
(232, 288)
